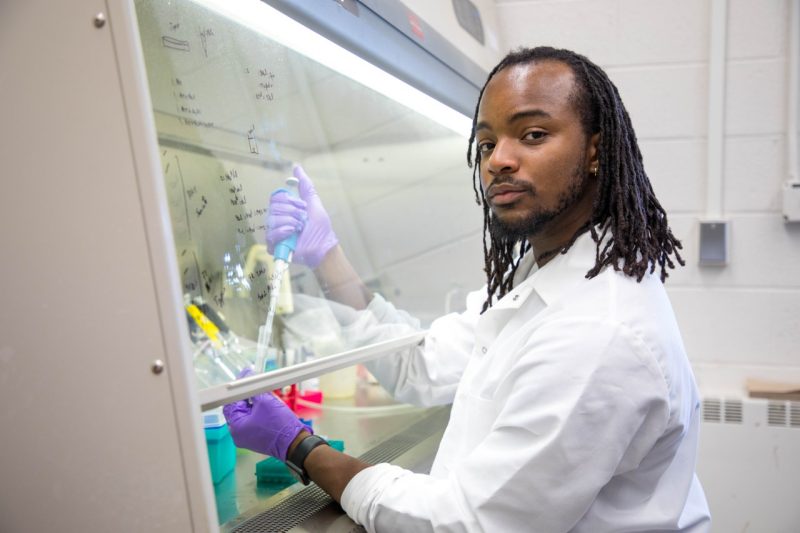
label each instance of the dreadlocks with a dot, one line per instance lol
(639, 236)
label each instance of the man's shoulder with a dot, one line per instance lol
(616, 301)
(612, 293)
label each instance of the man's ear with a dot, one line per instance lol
(594, 145)
(592, 152)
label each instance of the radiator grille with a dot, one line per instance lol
(717, 410)
(712, 410)
(779, 413)
(783, 414)
(794, 416)
(776, 413)
(733, 411)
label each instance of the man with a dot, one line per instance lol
(574, 405)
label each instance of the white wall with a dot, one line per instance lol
(743, 319)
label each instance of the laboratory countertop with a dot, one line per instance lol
(372, 427)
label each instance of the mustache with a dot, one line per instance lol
(508, 180)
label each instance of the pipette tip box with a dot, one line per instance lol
(221, 450)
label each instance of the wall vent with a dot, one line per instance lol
(785, 414)
(776, 413)
(779, 413)
(733, 411)
(712, 410)
(794, 414)
(717, 410)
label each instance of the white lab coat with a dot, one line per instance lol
(574, 409)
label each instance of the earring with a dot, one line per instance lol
(594, 171)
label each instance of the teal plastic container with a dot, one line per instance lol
(274, 473)
(221, 450)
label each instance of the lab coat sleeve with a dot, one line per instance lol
(429, 373)
(583, 402)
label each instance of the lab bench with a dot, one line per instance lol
(403, 435)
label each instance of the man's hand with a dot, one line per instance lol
(267, 426)
(288, 215)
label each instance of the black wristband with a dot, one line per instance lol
(296, 460)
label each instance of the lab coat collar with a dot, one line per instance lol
(553, 279)
(565, 270)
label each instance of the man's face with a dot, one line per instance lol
(535, 156)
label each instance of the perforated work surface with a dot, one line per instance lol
(289, 513)
(302, 505)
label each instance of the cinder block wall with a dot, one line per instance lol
(742, 319)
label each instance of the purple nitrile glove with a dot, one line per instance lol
(307, 215)
(267, 426)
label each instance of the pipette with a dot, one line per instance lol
(282, 256)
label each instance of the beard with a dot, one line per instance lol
(536, 221)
